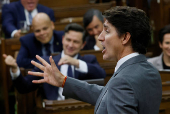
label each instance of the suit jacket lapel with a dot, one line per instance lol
(76, 73)
(56, 59)
(39, 9)
(21, 12)
(38, 47)
(133, 60)
(159, 62)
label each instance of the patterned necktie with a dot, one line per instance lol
(69, 71)
(47, 49)
(30, 17)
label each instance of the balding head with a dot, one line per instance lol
(43, 27)
(41, 17)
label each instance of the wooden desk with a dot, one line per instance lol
(68, 106)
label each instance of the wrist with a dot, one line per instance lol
(14, 69)
(64, 80)
(76, 63)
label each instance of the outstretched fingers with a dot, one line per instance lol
(36, 73)
(39, 81)
(42, 61)
(53, 65)
(38, 65)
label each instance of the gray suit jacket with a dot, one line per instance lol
(157, 62)
(135, 88)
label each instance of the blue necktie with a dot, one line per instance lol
(47, 49)
(69, 72)
(30, 18)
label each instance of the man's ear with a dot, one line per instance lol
(160, 45)
(62, 38)
(52, 25)
(126, 38)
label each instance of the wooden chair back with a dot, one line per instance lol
(165, 103)
(7, 46)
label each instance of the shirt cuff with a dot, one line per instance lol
(14, 75)
(82, 67)
(96, 47)
(13, 33)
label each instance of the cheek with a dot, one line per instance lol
(165, 46)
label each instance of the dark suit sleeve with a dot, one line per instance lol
(81, 90)
(23, 59)
(94, 69)
(120, 97)
(24, 84)
(8, 20)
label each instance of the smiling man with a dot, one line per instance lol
(69, 62)
(22, 10)
(163, 61)
(93, 23)
(44, 41)
(135, 87)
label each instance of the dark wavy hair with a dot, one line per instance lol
(88, 16)
(132, 20)
(162, 32)
(75, 27)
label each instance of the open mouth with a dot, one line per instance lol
(104, 49)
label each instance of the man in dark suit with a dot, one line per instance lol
(135, 87)
(69, 62)
(44, 41)
(93, 23)
(22, 10)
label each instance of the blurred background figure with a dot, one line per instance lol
(43, 41)
(17, 13)
(93, 23)
(69, 62)
(163, 61)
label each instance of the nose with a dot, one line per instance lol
(101, 36)
(71, 44)
(42, 32)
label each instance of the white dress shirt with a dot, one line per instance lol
(63, 69)
(124, 59)
(96, 48)
(33, 13)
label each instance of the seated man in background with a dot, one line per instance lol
(163, 61)
(22, 10)
(93, 23)
(69, 62)
(44, 41)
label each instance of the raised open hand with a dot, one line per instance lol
(51, 73)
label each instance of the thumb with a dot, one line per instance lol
(4, 55)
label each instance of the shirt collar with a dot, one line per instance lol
(62, 55)
(124, 59)
(33, 13)
(51, 41)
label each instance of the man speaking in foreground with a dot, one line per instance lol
(135, 87)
